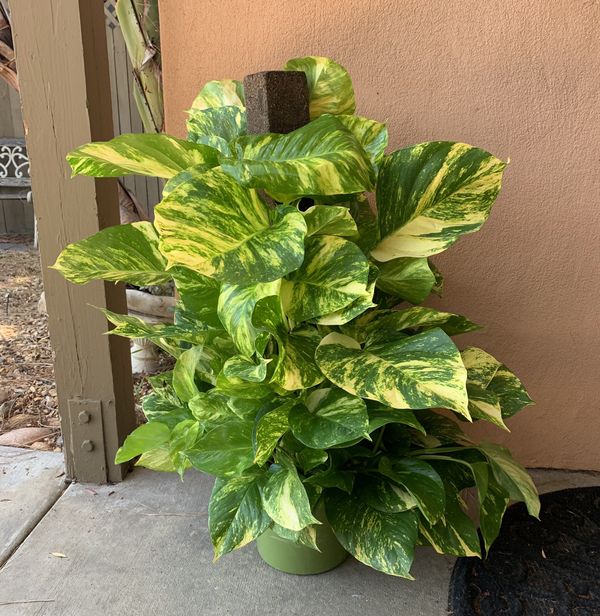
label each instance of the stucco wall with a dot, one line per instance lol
(519, 78)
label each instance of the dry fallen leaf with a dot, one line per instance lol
(58, 555)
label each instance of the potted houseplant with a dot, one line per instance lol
(308, 378)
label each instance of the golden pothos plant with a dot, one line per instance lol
(307, 371)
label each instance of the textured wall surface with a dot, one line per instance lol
(520, 78)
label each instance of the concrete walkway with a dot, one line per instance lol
(141, 548)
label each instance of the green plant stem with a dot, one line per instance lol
(378, 441)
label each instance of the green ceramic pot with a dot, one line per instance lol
(291, 557)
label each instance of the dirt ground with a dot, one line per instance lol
(27, 389)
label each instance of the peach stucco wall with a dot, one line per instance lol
(520, 78)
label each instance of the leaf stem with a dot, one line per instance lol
(378, 441)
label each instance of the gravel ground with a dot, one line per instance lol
(27, 388)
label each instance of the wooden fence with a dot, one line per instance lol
(17, 216)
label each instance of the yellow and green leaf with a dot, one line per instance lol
(156, 155)
(416, 372)
(124, 253)
(430, 194)
(320, 158)
(220, 93)
(329, 85)
(406, 278)
(216, 227)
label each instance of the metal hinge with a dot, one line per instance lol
(87, 440)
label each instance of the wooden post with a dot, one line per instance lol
(64, 79)
(276, 101)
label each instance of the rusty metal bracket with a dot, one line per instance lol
(87, 440)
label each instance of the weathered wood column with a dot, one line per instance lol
(63, 73)
(276, 101)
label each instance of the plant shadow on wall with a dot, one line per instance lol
(306, 373)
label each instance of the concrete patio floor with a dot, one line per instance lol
(142, 548)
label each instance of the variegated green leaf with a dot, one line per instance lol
(329, 85)
(330, 220)
(165, 408)
(383, 495)
(320, 158)
(246, 369)
(236, 307)
(286, 501)
(455, 533)
(422, 371)
(382, 325)
(306, 537)
(309, 459)
(199, 295)
(510, 391)
(407, 278)
(493, 389)
(224, 451)
(124, 253)
(210, 408)
(384, 541)
(296, 367)
(334, 273)
(220, 93)
(382, 415)
(156, 155)
(512, 476)
(184, 176)
(245, 390)
(484, 404)
(269, 427)
(430, 194)
(440, 430)
(235, 513)
(198, 361)
(331, 478)
(144, 438)
(421, 481)
(216, 127)
(481, 366)
(491, 512)
(157, 460)
(220, 229)
(183, 437)
(329, 417)
(164, 335)
(372, 135)
(357, 307)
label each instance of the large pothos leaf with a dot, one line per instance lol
(382, 494)
(511, 475)
(384, 541)
(220, 93)
(285, 499)
(372, 135)
(329, 417)
(224, 451)
(199, 295)
(236, 307)
(334, 273)
(428, 195)
(246, 369)
(421, 481)
(407, 278)
(216, 127)
(124, 253)
(362, 303)
(320, 158)
(216, 227)
(416, 372)
(144, 438)
(491, 512)
(235, 513)
(382, 325)
(380, 415)
(455, 532)
(329, 85)
(156, 155)
(494, 391)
